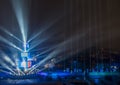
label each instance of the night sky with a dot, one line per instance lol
(79, 23)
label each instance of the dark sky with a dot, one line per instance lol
(97, 20)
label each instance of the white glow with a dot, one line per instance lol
(7, 67)
(5, 71)
(9, 60)
(23, 64)
(38, 43)
(6, 31)
(25, 47)
(21, 11)
(10, 43)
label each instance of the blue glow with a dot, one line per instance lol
(43, 74)
(103, 73)
(54, 74)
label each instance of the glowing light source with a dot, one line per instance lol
(24, 64)
(9, 60)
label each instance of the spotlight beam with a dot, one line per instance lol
(40, 49)
(44, 29)
(64, 43)
(10, 43)
(9, 60)
(51, 55)
(9, 33)
(6, 66)
(5, 72)
(38, 43)
(21, 11)
(45, 51)
(19, 71)
(57, 50)
(6, 58)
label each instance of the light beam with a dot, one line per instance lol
(9, 33)
(10, 43)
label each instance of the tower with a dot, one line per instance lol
(25, 60)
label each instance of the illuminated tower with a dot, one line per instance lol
(26, 60)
